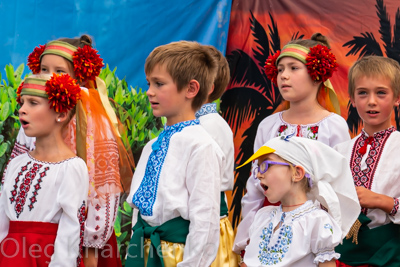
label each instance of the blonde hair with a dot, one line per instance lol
(186, 61)
(223, 75)
(375, 66)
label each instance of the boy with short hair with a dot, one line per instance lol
(174, 189)
(221, 132)
(374, 89)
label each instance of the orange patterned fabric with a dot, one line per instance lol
(109, 164)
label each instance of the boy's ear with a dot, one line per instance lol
(397, 101)
(353, 103)
(193, 89)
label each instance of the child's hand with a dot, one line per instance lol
(372, 200)
(243, 265)
(90, 257)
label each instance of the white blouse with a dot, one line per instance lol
(331, 130)
(102, 210)
(382, 166)
(186, 187)
(53, 193)
(220, 131)
(306, 236)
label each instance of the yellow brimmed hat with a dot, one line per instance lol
(264, 150)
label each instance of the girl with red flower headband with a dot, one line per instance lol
(301, 71)
(42, 205)
(94, 134)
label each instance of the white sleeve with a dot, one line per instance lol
(23, 144)
(100, 220)
(325, 236)
(338, 130)
(4, 220)
(72, 195)
(228, 177)
(204, 203)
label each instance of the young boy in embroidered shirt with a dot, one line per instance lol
(174, 189)
(221, 132)
(374, 87)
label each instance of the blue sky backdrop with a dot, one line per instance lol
(124, 31)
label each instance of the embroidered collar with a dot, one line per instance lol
(378, 135)
(206, 109)
(145, 196)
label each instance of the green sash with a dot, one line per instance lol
(224, 207)
(175, 231)
(379, 246)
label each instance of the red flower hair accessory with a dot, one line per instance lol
(321, 63)
(34, 59)
(87, 63)
(63, 92)
(270, 67)
(19, 90)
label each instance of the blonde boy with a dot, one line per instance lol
(174, 189)
(374, 87)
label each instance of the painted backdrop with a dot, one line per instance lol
(261, 27)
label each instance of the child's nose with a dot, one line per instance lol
(372, 99)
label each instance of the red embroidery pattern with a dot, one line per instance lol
(298, 134)
(81, 219)
(24, 187)
(106, 163)
(395, 207)
(37, 187)
(365, 177)
(17, 150)
(104, 235)
(282, 128)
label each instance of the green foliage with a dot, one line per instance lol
(9, 122)
(123, 227)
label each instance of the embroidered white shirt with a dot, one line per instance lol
(186, 187)
(306, 236)
(47, 192)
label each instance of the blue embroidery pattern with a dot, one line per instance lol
(270, 255)
(328, 226)
(145, 196)
(206, 109)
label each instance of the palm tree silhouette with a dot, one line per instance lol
(366, 44)
(251, 97)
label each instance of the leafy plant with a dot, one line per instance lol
(9, 122)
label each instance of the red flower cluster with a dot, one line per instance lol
(321, 63)
(270, 67)
(314, 129)
(19, 90)
(87, 63)
(63, 92)
(34, 59)
(282, 128)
